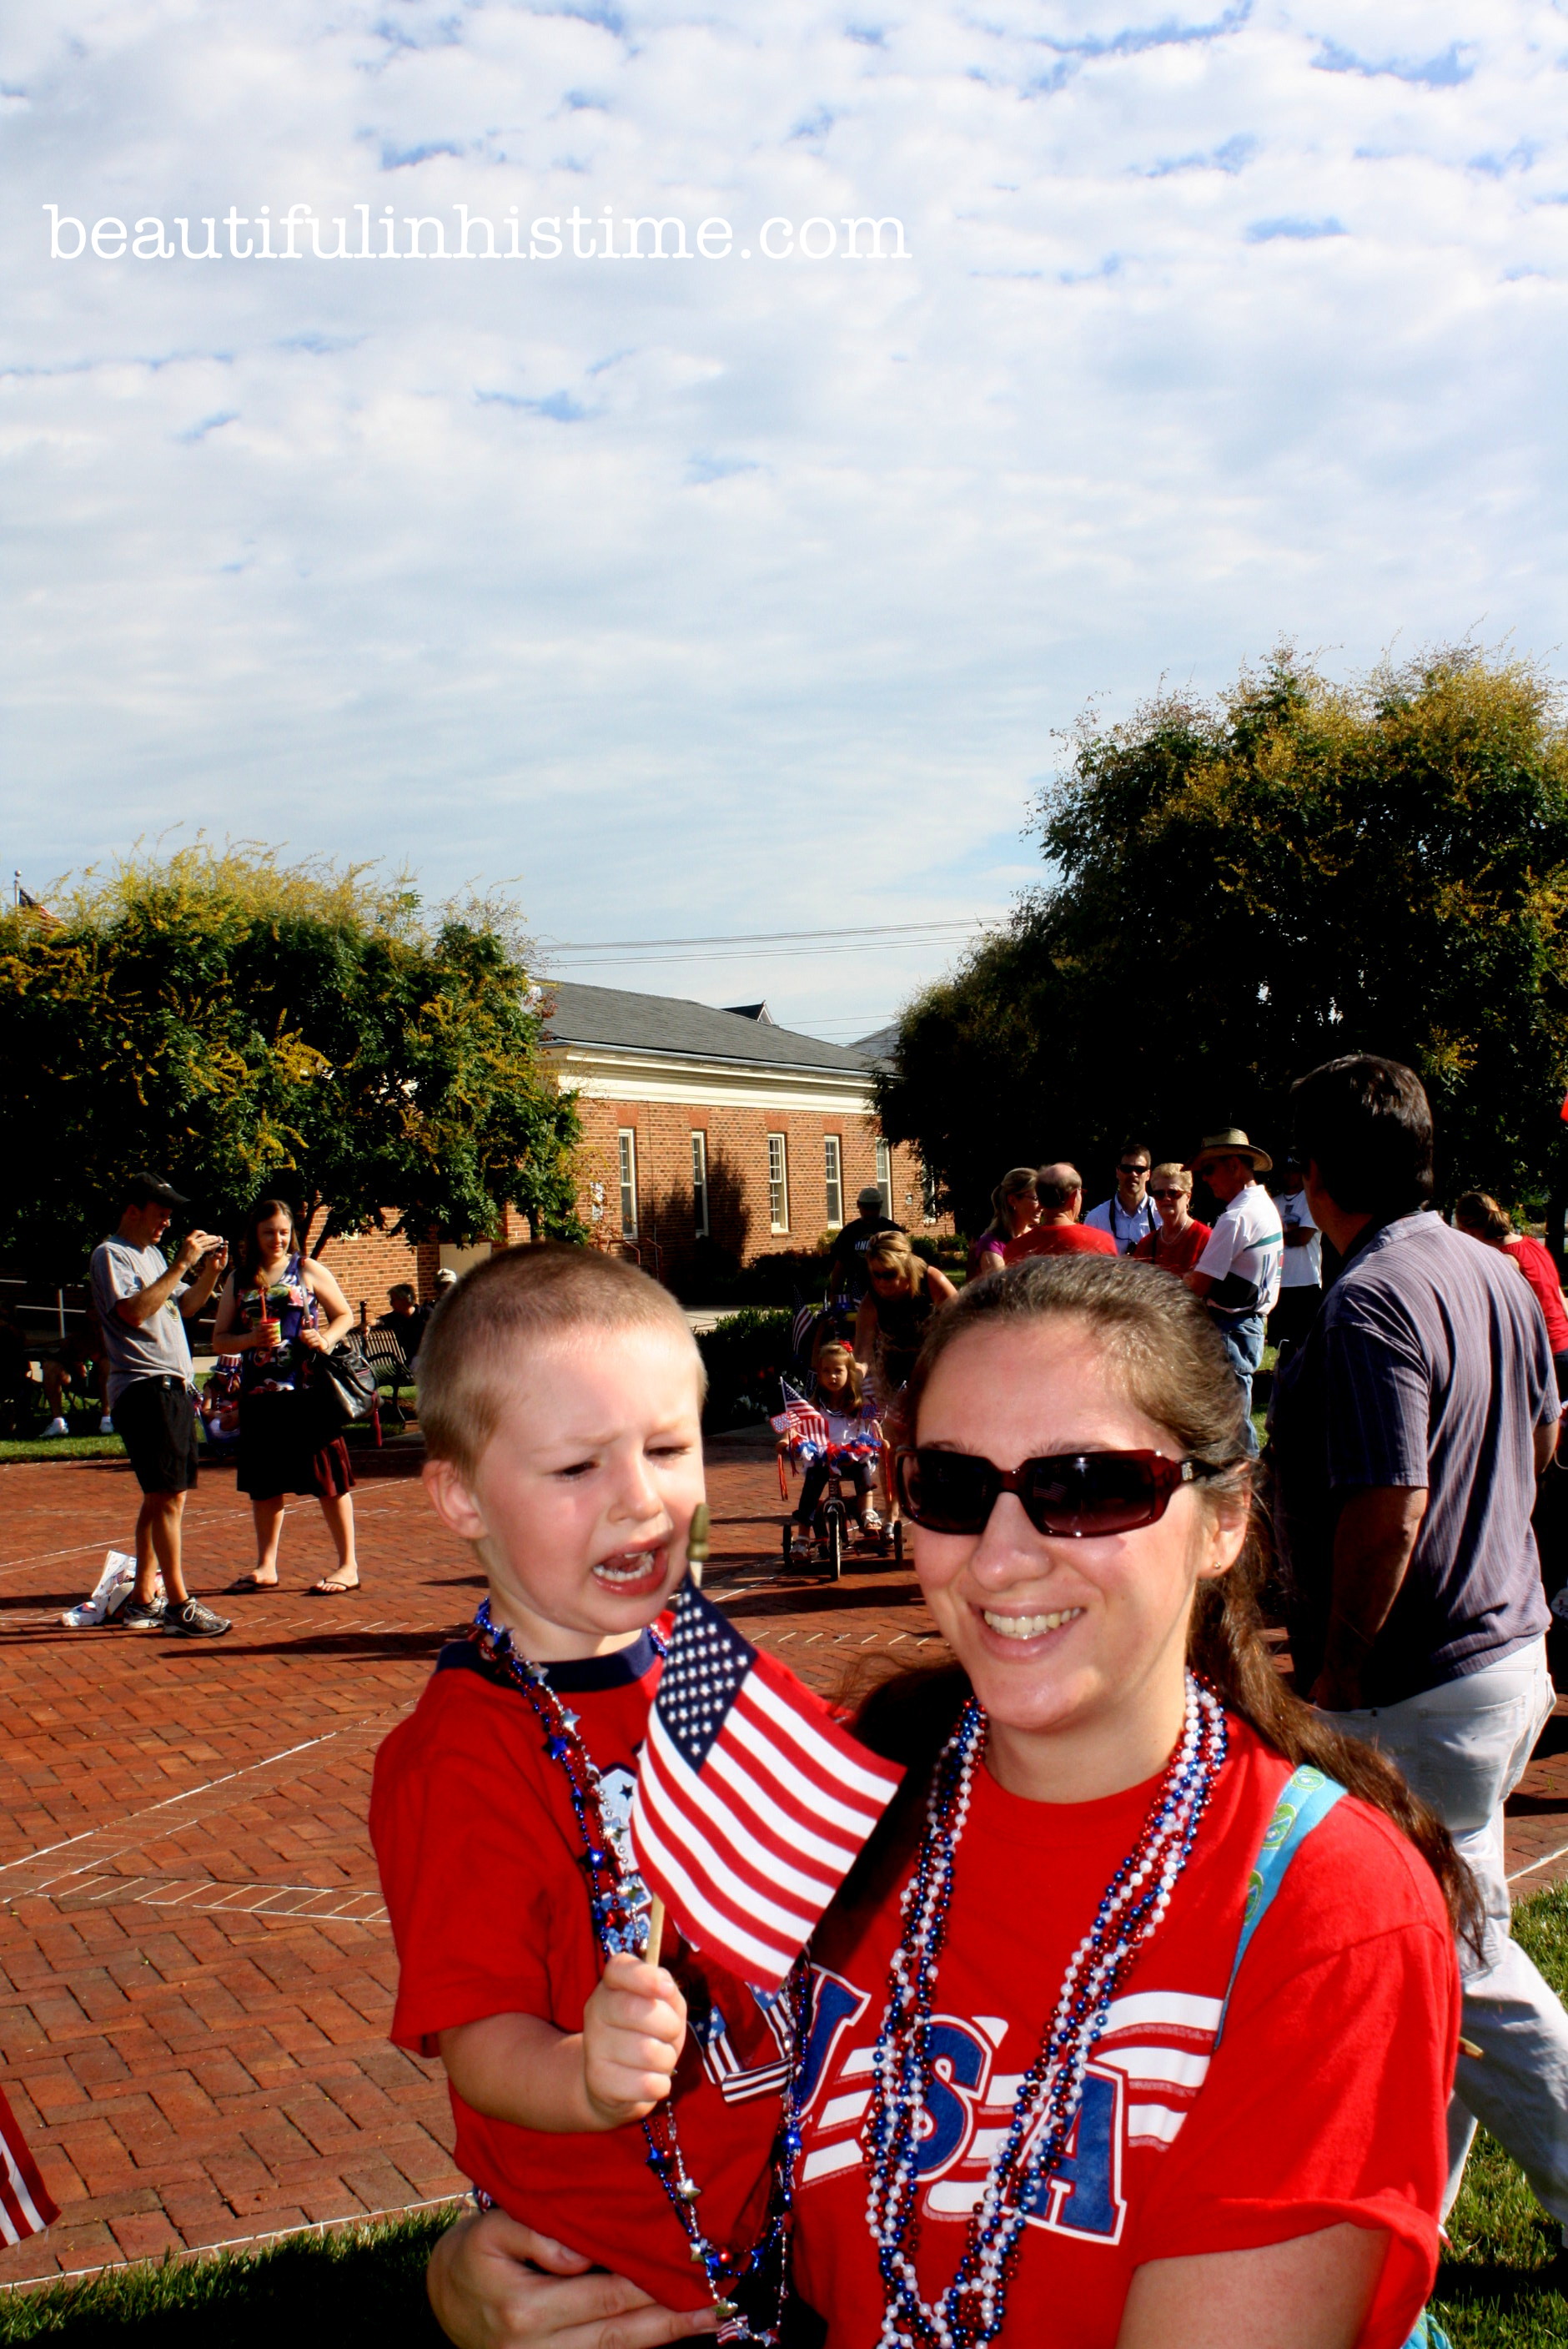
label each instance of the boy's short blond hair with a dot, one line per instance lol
(482, 1332)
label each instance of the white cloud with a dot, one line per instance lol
(740, 594)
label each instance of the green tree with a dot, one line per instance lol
(1242, 889)
(239, 1023)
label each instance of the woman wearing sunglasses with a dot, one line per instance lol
(1085, 2064)
(1180, 1238)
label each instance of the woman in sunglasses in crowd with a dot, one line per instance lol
(1180, 1238)
(1106, 2048)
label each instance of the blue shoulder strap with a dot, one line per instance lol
(1306, 1799)
(1308, 1796)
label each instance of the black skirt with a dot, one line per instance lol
(280, 1452)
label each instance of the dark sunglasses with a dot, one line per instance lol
(1122, 1167)
(1165, 1191)
(1076, 1493)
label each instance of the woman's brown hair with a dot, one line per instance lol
(247, 1255)
(1478, 1212)
(1173, 1368)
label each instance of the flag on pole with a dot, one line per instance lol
(800, 1421)
(26, 2207)
(752, 1803)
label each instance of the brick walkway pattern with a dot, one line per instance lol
(196, 1975)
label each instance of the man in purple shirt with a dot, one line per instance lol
(1409, 1427)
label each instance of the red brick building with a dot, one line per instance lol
(710, 1137)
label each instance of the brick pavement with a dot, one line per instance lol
(195, 1971)
(196, 1975)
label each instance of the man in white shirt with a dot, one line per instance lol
(1130, 1215)
(1300, 1279)
(1238, 1273)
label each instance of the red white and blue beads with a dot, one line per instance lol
(619, 1904)
(972, 2310)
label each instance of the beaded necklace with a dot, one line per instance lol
(972, 2310)
(619, 1903)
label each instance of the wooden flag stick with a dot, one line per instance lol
(696, 1543)
(696, 1559)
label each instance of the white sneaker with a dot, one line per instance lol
(105, 1425)
(57, 1427)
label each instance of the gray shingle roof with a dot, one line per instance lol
(695, 1032)
(881, 1047)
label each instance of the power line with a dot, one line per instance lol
(840, 932)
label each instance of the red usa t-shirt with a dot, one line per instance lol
(1324, 2101)
(478, 1849)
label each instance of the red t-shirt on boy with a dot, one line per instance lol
(1323, 2102)
(478, 1849)
(1059, 1239)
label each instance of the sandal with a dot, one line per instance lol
(326, 1589)
(249, 1583)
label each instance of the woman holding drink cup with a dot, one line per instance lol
(279, 1308)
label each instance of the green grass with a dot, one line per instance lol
(359, 2290)
(61, 1447)
(1488, 2294)
(363, 2289)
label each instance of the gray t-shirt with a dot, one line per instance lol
(154, 1349)
(1428, 1367)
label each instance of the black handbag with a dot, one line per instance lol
(343, 1385)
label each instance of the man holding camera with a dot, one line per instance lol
(144, 1303)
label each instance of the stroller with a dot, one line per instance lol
(811, 1446)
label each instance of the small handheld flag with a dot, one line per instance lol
(752, 1803)
(26, 2206)
(800, 1421)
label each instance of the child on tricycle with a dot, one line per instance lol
(832, 1439)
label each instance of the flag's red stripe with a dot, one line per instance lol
(687, 1813)
(779, 1865)
(23, 2189)
(806, 1845)
(738, 1894)
(809, 1793)
(863, 1776)
(708, 1928)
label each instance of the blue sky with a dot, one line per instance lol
(735, 595)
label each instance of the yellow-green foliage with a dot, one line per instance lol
(237, 1020)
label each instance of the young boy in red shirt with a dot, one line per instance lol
(561, 1398)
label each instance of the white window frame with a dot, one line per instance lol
(700, 1183)
(777, 1182)
(626, 1136)
(833, 1180)
(884, 1176)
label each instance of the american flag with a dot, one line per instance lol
(26, 2208)
(751, 1802)
(800, 1421)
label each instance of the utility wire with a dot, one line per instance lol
(766, 937)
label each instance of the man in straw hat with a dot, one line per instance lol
(1238, 1273)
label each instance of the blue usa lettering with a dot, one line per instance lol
(959, 2063)
(835, 2005)
(1082, 2195)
